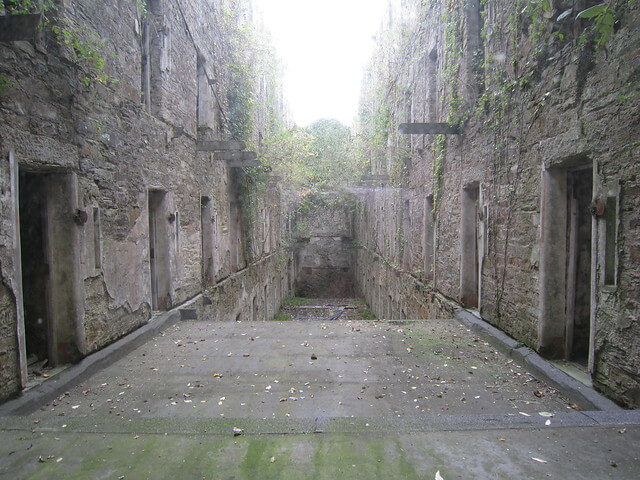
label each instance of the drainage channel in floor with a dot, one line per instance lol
(324, 309)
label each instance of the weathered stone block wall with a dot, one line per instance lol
(56, 117)
(251, 294)
(324, 246)
(393, 293)
(9, 375)
(534, 97)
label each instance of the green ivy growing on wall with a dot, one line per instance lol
(87, 49)
(25, 7)
(452, 21)
(241, 99)
(603, 18)
(87, 52)
(440, 153)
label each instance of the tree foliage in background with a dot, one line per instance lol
(334, 163)
(288, 154)
(319, 157)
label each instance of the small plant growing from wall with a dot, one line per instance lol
(603, 18)
(26, 7)
(6, 83)
(87, 49)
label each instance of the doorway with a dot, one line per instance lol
(469, 236)
(49, 249)
(566, 263)
(207, 231)
(35, 267)
(579, 193)
(159, 250)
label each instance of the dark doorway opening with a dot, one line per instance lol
(159, 250)
(579, 195)
(35, 267)
(208, 240)
(469, 265)
(49, 264)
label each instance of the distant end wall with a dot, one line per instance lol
(324, 247)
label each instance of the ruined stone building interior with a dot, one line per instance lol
(154, 186)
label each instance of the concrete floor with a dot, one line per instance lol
(314, 399)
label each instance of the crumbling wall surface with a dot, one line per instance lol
(393, 293)
(9, 355)
(324, 246)
(535, 94)
(9, 373)
(74, 102)
(252, 294)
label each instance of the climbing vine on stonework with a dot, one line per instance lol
(439, 154)
(452, 22)
(385, 100)
(603, 18)
(252, 74)
(87, 51)
(241, 100)
(25, 7)
(6, 83)
(86, 47)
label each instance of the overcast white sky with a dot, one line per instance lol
(324, 45)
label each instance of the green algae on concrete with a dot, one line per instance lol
(240, 458)
(350, 457)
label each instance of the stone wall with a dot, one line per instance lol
(324, 249)
(9, 375)
(536, 99)
(120, 137)
(250, 295)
